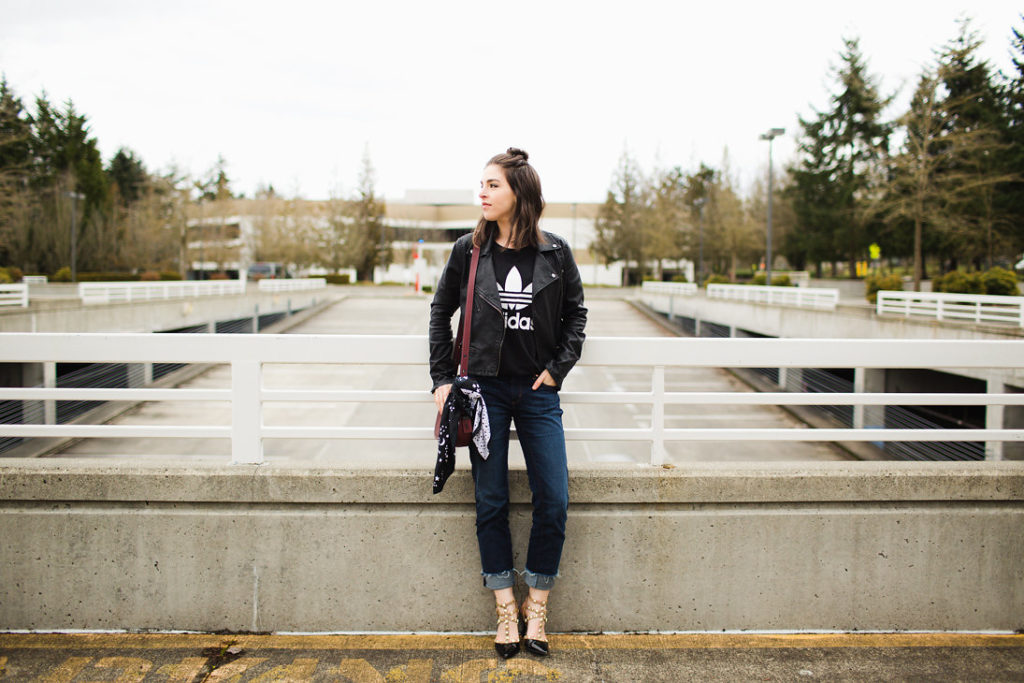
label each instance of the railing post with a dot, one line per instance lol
(994, 417)
(50, 382)
(246, 412)
(858, 408)
(658, 416)
(136, 375)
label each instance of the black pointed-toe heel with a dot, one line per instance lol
(532, 609)
(507, 615)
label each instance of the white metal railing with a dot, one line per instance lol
(14, 295)
(975, 308)
(247, 355)
(670, 288)
(287, 285)
(802, 297)
(122, 292)
(35, 279)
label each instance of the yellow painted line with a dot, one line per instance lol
(155, 641)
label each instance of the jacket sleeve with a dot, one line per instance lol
(573, 319)
(442, 307)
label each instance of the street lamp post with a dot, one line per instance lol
(699, 203)
(769, 136)
(75, 197)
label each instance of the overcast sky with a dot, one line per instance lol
(291, 93)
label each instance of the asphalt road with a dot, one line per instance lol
(191, 658)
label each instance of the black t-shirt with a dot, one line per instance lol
(514, 272)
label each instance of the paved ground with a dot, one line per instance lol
(392, 312)
(456, 658)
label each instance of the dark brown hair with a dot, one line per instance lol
(525, 185)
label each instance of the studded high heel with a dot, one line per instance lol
(508, 616)
(534, 609)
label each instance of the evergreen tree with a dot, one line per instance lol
(843, 150)
(127, 174)
(1010, 200)
(16, 201)
(975, 127)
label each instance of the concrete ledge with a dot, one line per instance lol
(207, 546)
(215, 481)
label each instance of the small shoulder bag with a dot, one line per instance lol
(461, 352)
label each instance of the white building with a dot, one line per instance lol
(422, 227)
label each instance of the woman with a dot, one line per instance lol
(527, 333)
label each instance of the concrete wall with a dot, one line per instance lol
(207, 546)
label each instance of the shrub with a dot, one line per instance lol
(107, 277)
(1000, 282)
(170, 275)
(716, 279)
(5, 276)
(149, 276)
(876, 283)
(62, 275)
(15, 273)
(337, 278)
(679, 278)
(219, 276)
(959, 282)
(427, 289)
(781, 280)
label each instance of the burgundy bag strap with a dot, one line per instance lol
(467, 321)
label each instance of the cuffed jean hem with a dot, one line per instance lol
(494, 582)
(542, 582)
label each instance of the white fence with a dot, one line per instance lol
(14, 295)
(975, 308)
(35, 279)
(801, 297)
(286, 285)
(123, 292)
(247, 355)
(670, 288)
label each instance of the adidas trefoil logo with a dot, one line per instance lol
(514, 297)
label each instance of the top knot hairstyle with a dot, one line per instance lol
(525, 185)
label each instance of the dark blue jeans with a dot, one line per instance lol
(538, 419)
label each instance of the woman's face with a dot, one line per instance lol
(496, 197)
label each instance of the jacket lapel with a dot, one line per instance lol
(543, 272)
(486, 280)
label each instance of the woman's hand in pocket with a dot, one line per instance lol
(544, 378)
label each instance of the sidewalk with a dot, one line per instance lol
(190, 658)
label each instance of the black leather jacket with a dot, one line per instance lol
(558, 312)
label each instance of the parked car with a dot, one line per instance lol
(266, 270)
